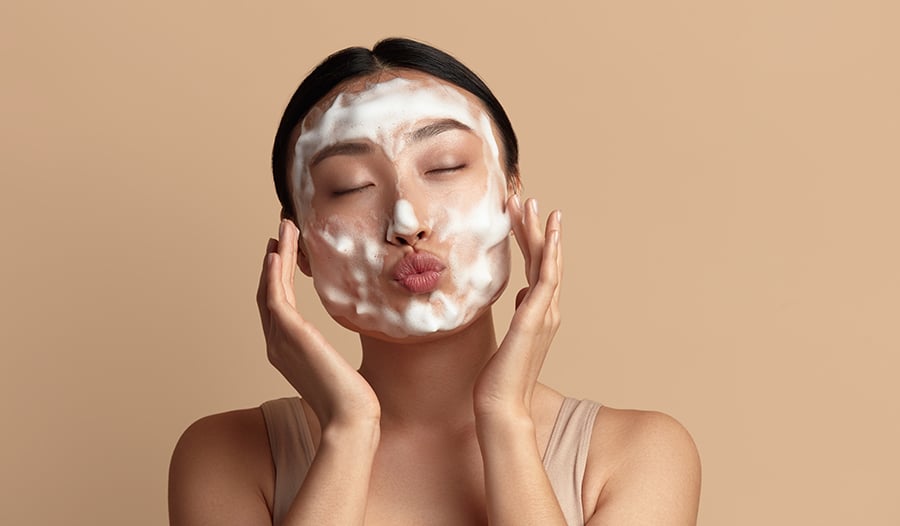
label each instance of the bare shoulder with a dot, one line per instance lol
(221, 471)
(643, 468)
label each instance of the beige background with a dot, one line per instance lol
(728, 173)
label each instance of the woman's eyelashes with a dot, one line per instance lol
(446, 170)
(349, 191)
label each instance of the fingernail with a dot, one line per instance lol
(559, 216)
(534, 207)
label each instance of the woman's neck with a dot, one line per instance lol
(429, 383)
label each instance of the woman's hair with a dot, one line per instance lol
(355, 62)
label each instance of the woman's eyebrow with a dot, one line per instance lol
(436, 128)
(361, 148)
(341, 148)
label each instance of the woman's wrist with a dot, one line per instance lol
(361, 435)
(516, 484)
(501, 426)
(494, 411)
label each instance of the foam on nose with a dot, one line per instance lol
(405, 221)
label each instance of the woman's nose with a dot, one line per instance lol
(406, 227)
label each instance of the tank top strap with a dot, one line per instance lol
(292, 450)
(565, 458)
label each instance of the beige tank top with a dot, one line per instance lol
(564, 459)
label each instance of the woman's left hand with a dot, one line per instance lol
(506, 384)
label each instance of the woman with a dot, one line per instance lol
(397, 172)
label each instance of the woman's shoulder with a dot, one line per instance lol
(239, 429)
(627, 429)
(220, 460)
(636, 454)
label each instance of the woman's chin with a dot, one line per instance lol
(402, 334)
(405, 319)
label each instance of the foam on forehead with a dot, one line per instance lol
(381, 114)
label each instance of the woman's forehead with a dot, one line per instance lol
(387, 111)
(394, 87)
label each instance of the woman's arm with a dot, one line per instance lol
(212, 479)
(656, 479)
(517, 489)
(336, 486)
(222, 464)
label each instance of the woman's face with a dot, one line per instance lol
(401, 199)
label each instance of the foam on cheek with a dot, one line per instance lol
(349, 288)
(336, 243)
(481, 267)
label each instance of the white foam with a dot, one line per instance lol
(477, 234)
(404, 221)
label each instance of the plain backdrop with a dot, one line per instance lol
(728, 173)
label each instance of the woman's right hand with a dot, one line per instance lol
(337, 394)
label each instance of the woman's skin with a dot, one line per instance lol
(441, 428)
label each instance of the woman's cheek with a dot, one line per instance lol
(479, 255)
(502, 263)
(345, 264)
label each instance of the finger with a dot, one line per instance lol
(556, 242)
(261, 290)
(535, 239)
(275, 292)
(284, 250)
(287, 251)
(549, 275)
(516, 216)
(271, 246)
(559, 257)
(550, 261)
(557, 268)
(293, 236)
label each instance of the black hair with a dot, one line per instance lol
(355, 62)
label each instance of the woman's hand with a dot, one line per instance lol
(336, 485)
(506, 384)
(336, 392)
(504, 389)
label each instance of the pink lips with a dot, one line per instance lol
(419, 272)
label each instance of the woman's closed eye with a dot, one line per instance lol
(352, 190)
(447, 170)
